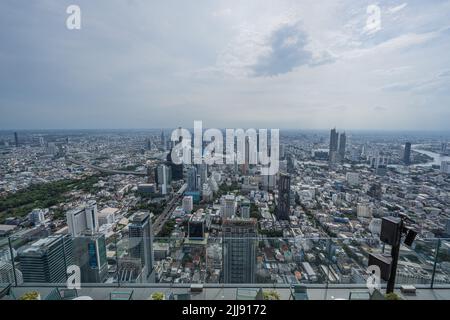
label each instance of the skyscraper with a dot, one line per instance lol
(177, 169)
(239, 251)
(89, 253)
(16, 139)
(46, 260)
(163, 177)
(342, 145)
(192, 181)
(334, 137)
(284, 195)
(141, 242)
(83, 218)
(407, 154)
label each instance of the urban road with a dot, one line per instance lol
(106, 170)
(162, 218)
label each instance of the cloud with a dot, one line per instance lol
(286, 52)
(397, 8)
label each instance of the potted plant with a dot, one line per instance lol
(392, 296)
(271, 295)
(157, 296)
(31, 295)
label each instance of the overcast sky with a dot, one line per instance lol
(262, 64)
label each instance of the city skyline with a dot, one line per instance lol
(280, 64)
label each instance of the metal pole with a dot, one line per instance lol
(395, 250)
(12, 261)
(435, 262)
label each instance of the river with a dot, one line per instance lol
(437, 158)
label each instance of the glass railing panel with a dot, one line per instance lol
(442, 270)
(415, 263)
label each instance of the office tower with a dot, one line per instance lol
(89, 252)
(141, 242)
(239, 250)
(46, 260)
(342, 145)
(36, 216)
(163, 140)
(245, 209)
(177, 169)
(188, 204)
(334, 137)
(16, 139)
(163, 178)
(268, 182)
(290, 163)
(245, 165)
(202, 171)
(196, 227)
(407, 154)
(228, 206)
(284, 195)
(192, 179)
(83, 218)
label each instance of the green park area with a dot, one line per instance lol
(43, 195)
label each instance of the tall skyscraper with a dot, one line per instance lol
(342, 145)
(177, 169)
(163, 177)
(141, 242)
(239, 250)
(83, 218)
(46, 260)
(192, 181)
(163, 140)
(90, 255)
(407, 154)
(284, 197)
(16, 139)
(334, 138)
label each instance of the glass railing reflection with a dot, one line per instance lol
(124, 261)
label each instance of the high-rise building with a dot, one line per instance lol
(284, 195)
(163, 140)
(228, 206)
(196, 227)
(46, 260)
(342, 146)
(202, 171)
(90, 255)
(407, 154)
(334, 137)
(192, 179)
(245, 209)
(16, 139)
(188, 204)
(176, 169)
(141, 242)
(163, 178)
(239, 250)
(36, 216)
(83, 218)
